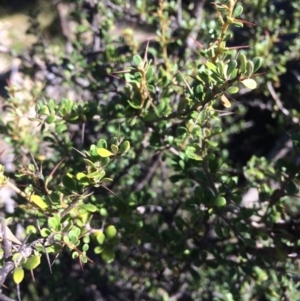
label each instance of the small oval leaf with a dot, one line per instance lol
(124, 148)
(18, 275)
(89, 207)
(37, 200)
(111, 231)
(257, 61)
(32, 262)
(232, 90)
(50, 119)
(108, 255)
(100, 237)
(102, 152)
(114, 149)
(137, 59)
(237, 11)
(231, 66)
(249, 83)
(243, 63)
(225, 102)
(249, 68)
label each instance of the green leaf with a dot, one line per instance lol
(238, 24)
(108, 255)
(32, 262)
(87, 239)
(45, 232)
(221, 68)
(124, 147)
(75, 255)
(31, 167)
(249, 68)
(54, 222)
(82, 178)
(50, 119)
(237, 11)
(190, 152)
(231, 66)
(51, 105)
(137, 59)
(38, 201)
(260, 273)
(232, 90)
(212, 143)
(149, 74)
(237, 198)
(68, 105)
(76, 231)
(257, 61)
(83, 258)
(18, 275)
(104, 161)
(243, 63)
(68, 182)
(106, 180)
(111, 231)
(100, 236)
(66, 239)
(102, 152)
(44, 110)
(31, 229)
(103, 212)
(96, 175)
(89, 207)
(135, 106)
(93, 150)
(90, 163)
(74, 240)
(211, 66)
(61, 128)
(114, 148)
(101, 143)
(58, 237)
(98, 250)
(249, 83)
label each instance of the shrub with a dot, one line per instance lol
(149, 151)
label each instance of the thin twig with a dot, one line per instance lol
(209, 178)
(277, 100)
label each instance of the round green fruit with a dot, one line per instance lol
(219, 201)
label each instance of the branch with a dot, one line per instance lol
(6, 270)
(146, 177)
